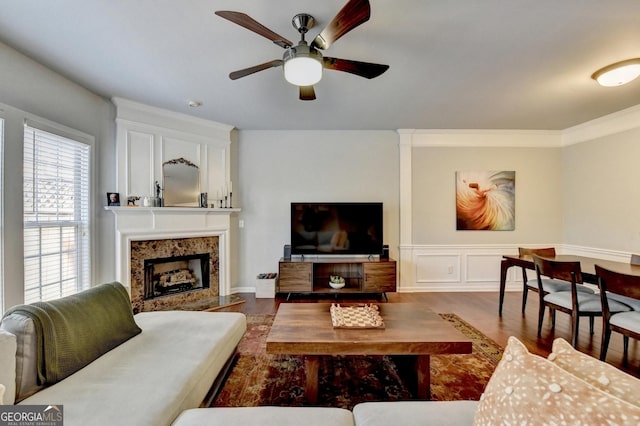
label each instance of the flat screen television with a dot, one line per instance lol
(336, 228)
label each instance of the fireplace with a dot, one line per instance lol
(174, 272)
(145, 233)
(171, 275)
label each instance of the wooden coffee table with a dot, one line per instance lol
(412, 332)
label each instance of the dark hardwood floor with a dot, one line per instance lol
(481, 311)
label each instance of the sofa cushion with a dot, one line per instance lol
(8, 348)
(265, 416)
(526, 388)
(75, 330)
(151, 378)
(410, 413)
(605, 377)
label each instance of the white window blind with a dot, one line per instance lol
(56, 215)
(1, 216)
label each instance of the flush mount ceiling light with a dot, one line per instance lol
(618, 74)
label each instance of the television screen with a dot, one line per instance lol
(336, 228)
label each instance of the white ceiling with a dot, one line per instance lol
(455, 64)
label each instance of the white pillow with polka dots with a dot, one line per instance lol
(529, 389)
(604, 376)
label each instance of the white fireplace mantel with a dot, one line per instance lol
(156, 223)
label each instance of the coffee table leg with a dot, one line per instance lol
(311, 365)
(423, 374)
(415, 372)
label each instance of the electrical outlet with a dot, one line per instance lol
(450, 270)
(241, 223)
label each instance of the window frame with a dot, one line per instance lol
(39, 124)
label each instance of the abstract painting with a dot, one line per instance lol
(485, 200)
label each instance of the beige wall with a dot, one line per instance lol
(601, 193)
(538, 194)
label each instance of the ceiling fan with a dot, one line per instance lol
(303, 63)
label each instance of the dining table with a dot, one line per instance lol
(587, 267)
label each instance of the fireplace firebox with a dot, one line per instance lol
(176, 274)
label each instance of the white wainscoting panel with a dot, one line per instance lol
(455, 268)
(437, 268)
(473, 267)
(481, 268)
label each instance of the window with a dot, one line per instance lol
(56, 215)
(1, 215)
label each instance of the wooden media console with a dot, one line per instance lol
(361, 275)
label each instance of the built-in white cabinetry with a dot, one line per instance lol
(147, 137)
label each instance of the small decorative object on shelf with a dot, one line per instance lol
(356, 316)
(203, 199)
(158, 201)
(336, 281)
(225, 196)
(131, 201)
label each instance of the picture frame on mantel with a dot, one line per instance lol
(113, 199)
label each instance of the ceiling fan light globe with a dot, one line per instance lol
(618, 74)
(303, 71)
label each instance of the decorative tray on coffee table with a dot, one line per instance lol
(356, 316)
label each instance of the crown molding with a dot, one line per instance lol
(131, 111)
(610, 124)
(480, 138)
(620, 121)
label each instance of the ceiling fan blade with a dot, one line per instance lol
(363, 69)
(254, 69)
(307, 93)
(354, 13)
(251, 24)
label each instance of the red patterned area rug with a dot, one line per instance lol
(259, 378)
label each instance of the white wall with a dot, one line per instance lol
(601, 192)
(30, 87)
(280, 167)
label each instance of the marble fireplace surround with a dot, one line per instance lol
(170, 248)
(169, 223)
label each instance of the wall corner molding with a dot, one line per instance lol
(606, 125)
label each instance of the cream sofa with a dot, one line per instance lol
(162, 373)
(165, 368)
(567, 388)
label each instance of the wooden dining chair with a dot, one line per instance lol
(574, 303)
(627, 323)
(549, 285)
(629, 301)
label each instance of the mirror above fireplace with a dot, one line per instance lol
(181, 180)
